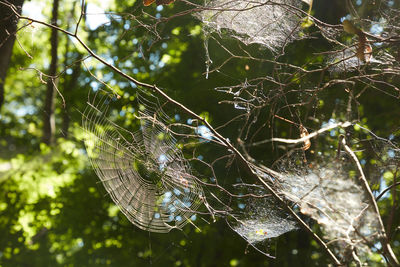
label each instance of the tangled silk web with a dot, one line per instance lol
(144, 172)
(270, 23)
(260, 219)
(333, 199)
(325, 193)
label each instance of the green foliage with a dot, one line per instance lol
(54, 212)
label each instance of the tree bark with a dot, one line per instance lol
(49, 124)
(8, 27)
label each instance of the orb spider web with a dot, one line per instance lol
(143, 171)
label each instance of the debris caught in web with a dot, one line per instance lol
(270, 23)
(144, 172)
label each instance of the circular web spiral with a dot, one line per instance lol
(144, 172)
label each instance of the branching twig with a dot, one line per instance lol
(383, 237)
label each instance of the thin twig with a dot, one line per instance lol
(388, 252)
(304, 138)
(386, 189)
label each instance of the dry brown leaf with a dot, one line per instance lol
(304, 133)
(364, 49)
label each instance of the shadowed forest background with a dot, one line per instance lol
(54, 210)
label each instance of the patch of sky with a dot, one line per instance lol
(95, 16)
(109, 60)
(358, 2)
(127, 25)
(177, 117)
(179, 218)
(157, 215)
(128, 64)
(108, 76)
(123, 85)
(69, 71)
(363, 161)
(135, 41)
(159, 8)
(154, 57)
(135, 71)
(111, 39)
(167, 197)
(171, 218)
(34, 9)
(330, 122)
(348, 17)
(378, 246)
(94, 85)
(81, 243)
(158, 15)
(152, 67)
(241, 206)
(122, 113)
(164, 45)
(376, 29)
(193, 217)
(177, 191)
(204, 132)
(171, 208)
(162, 160)
(390, 3)
(382, 187)
(24, 110)
(189, 121)
(133, 84)
(200, 157)
(391, 153)
(161, 64)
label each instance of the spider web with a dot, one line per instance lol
(261, 219)
(144, 172)
(270, 23)
(326, 193)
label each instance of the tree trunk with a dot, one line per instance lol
(49, 124)
(70, 81)
(8, 27)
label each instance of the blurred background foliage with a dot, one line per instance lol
(53, 210)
